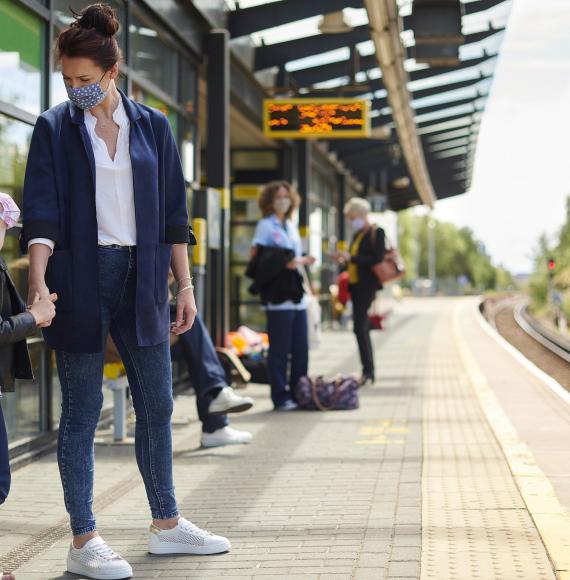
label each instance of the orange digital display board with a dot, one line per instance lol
(308, 118)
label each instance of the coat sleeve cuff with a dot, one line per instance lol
(180, 235)
(38, 229)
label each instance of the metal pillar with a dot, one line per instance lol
(431, 253)
(200, 250)
(218, 174)
(304, 187)
(341, 230)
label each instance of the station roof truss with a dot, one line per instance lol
(433, 134)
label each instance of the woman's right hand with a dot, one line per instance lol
(43, 309)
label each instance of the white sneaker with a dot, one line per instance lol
(228, 401)
(225, 436)
(97, 560)
(185, 538)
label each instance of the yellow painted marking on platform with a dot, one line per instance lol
(550, 518)
(378, 433)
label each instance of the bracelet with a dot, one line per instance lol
(186, 278)
(189, 287)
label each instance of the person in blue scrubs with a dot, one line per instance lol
(288, 356)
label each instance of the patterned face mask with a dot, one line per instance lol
(88, 96)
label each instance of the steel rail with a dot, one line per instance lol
(542, 335)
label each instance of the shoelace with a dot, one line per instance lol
(193, 529)
(104, 551)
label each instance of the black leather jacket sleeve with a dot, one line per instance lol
(17, 328)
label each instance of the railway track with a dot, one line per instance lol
(553, 342)
(546, 349)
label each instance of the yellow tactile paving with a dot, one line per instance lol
(475, 524)
(550, 518)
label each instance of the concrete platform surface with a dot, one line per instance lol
(436, 476)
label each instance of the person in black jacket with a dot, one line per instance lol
(367, 248)
(277, 258)
(16, 323)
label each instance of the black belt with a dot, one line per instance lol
(116, 247)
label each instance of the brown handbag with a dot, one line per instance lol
(392, 268)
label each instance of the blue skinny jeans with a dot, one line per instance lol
(150, 380)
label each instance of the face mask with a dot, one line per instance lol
(89, 96)
(282, 205)
(357, 224)
(9, 211)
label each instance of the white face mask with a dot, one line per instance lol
(357, 224)
(282, 205)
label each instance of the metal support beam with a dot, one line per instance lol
(218, 173)
(244, 21)
(385, 24)
(341, 242)
(446, 88)
(282, 52)
(304, 155)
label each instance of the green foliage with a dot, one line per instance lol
(458, 255)
(559, 280)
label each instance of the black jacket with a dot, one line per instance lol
(371, 251)
(272, 279)
(16, 323)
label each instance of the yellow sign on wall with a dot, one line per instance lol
(308, 118)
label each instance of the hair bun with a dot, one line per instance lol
(101, 17)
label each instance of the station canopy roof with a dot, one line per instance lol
(326, 48)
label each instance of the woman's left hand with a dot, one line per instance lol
(341, 257)
(185, 312)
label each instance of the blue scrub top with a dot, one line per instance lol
(272, 232)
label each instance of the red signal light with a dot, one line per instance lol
(551, 265)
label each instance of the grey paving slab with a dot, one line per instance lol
(316, 495)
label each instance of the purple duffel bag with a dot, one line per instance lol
(339, 394)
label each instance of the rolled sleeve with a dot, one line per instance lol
(180, 235)
(49, 243)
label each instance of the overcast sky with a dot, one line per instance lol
(522, 168)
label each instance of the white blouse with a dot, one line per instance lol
(114, 191)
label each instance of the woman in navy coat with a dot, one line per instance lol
(104, 219)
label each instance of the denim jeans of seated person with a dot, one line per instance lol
(150, 381)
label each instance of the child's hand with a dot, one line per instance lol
(43, 309)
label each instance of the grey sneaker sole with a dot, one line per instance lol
(237, 409)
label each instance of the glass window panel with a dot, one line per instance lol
(255, 159)
(152, 59)
(15, 139)
(188, 152)
(139, 94)
(22, 408)
(188, 85)
(21, 43)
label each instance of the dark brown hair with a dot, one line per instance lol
(267, 197)
(92, 36)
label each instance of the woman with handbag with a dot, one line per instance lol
(105, 218)
(368, 248)
(275, 268)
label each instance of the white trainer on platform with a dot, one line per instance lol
(97, 560)
(227, 401)
(225, 436)
(186, 538)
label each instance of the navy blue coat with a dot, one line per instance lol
(59, 204)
